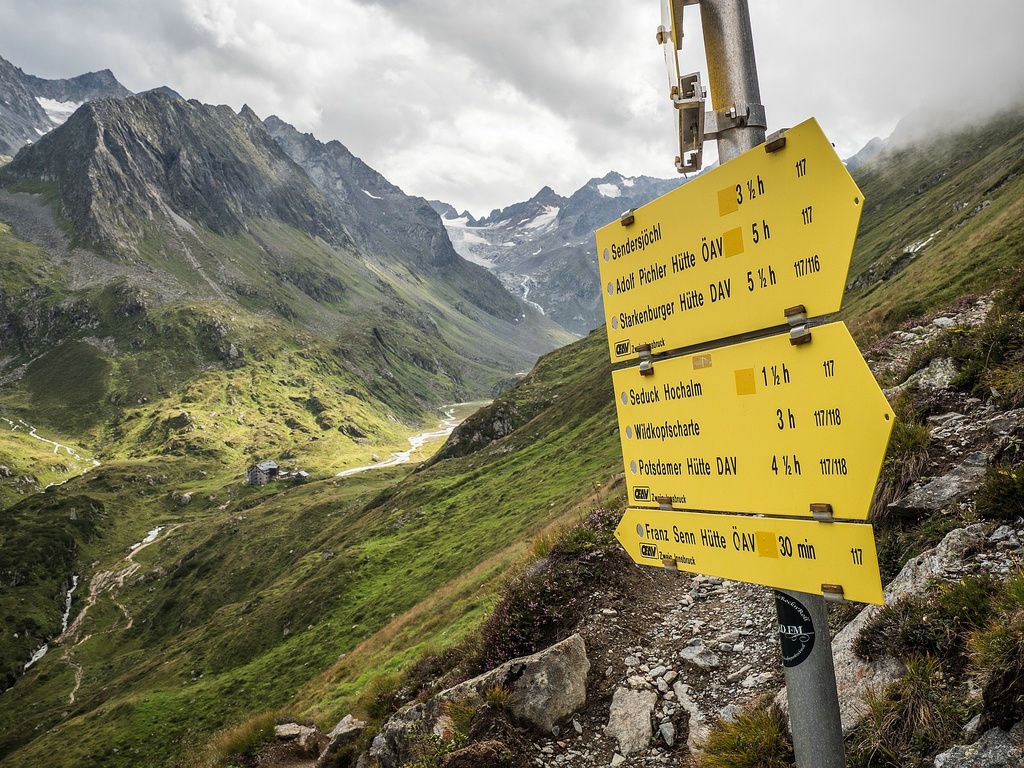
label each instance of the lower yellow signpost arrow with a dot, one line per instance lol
(762, 427)
(802, 555)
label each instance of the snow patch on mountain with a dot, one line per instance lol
(467, 243)
(609, 190)
(58, 111)
(545, 219)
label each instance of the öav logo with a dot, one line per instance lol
(622, 348)
(641, 493)
(649, 550)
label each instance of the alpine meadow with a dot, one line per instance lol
(192, 295)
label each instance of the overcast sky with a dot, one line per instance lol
(483, 103)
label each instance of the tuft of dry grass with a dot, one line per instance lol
(239, 741)
(909, 720)
(758, 738)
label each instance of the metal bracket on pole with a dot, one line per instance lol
(737, 116)
(799, 333)
(833, 593)
(775, 141)
(689, 104)
(646, 360)
(822, 513)
(686, 92)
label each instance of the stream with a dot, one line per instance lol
(453, 416)
(63, 625)
(56, 446)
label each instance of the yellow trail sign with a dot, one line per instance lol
(761, 427)
(731, 250)
(801, 555)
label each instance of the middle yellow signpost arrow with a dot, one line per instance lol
(762, 427)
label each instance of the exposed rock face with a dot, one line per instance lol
(939, 492)
(856, 676)
(387, 224)
(121, 163)
(996, 749)
(544, 689)
(629, 720)
(345, 732)
(382, 218)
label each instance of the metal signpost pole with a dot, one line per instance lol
(739, 125)
(732, 75)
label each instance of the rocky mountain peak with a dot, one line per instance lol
(520, 213)
(121, 163)
(33, 106)
(543, 248)
(87, 87)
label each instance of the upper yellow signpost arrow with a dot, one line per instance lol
(730, 251)
(762, 427)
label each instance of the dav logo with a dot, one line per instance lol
(621, 348)
(641, 493)
(649, 550)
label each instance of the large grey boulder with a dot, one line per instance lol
(345, 732)
(544, 689)
(961, 480)
(629, 719)
(306, 737)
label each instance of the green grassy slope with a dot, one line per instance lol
(963, 195)
(252, 593)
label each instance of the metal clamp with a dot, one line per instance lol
(822, 512)
(775, 141)
(796, 317)
(665, 503)
(669, 563)
(688, 99)
(627, 217)
(646, 359)
(833, 593)
(737, 116)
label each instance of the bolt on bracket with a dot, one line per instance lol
(796, 317)
(646, 360)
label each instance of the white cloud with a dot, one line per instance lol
(482, 104)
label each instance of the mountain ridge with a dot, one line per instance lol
(543, 249)
(24, 118)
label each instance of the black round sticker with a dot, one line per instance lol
(796, 630)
